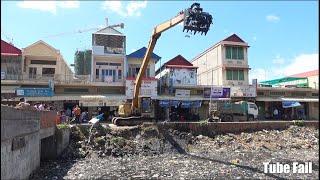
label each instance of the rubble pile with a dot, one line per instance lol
(142, 140)
(146, 152)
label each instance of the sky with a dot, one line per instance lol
(282, 35)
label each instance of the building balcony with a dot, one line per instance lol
(102, 51)
(58, 79)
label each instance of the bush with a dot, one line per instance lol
(298, 122)
(63, 126)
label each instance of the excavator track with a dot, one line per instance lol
(131, 121)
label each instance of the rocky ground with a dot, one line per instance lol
(152, 153)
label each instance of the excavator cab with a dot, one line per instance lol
(196, 20)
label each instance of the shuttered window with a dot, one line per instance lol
(234, 52)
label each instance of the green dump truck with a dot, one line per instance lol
(233, 111)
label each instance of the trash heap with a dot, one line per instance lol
(150, 140)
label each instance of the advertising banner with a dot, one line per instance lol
(148, 88)
(243, 91)
(216, 92)
(182, 93)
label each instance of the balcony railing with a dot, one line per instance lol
(62, 79)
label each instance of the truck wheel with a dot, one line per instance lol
(228, 118)
(250, 118)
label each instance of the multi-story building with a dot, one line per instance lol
(10, 68)
(178, 90)
(41, 62)
(226, 64)
(108, 57)
(149, 82)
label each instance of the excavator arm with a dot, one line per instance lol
(194, 19)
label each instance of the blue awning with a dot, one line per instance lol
(290, 104)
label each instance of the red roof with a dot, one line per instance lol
(9, 50)
(178, 61)
(306, 74)
(234, 38)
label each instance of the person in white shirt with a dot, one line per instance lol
(275, 113)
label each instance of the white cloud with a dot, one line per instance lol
(299, 64)
(278, 60)
(133, 8)
(48, 6)
(302, 63)
(272, 18)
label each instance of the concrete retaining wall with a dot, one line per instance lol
(53, 146)
(20, 142)
(211, 129)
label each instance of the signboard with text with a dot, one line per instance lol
(243, 91)
(216, 92)
(34, 92)
(182, 93)
(148, 88)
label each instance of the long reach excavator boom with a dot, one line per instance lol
(194, 20)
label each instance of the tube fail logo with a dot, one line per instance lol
(301, 168)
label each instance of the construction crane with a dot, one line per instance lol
(121, 25)
(194, 20)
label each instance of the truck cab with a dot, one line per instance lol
(252, 110)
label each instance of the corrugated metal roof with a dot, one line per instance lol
(306, 74)
(141, 52)
(9, 49)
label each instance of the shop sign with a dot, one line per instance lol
(216, 92)
(34, 92)
(148, 88)
(105, 102)
(183, 93)
(243, 91)
(164, 103)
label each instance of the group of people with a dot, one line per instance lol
(288, 114)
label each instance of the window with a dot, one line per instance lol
(234, 52)
(119, 74)
(32, 72)
(228, 52)
(48, 71)
(101, 63)
(237, 75)
(115, 64)
(97, 73)
(229, 74)
(148, 72)
(76, 90)
(43, 62)
(241, 75)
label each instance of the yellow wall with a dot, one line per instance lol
(42, 51)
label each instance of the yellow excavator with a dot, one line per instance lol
(141, 108)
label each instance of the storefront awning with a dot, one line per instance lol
(290, 104)
(271, 99)
(301, 99)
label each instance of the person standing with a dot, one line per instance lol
(275, 113)
(77, 113)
